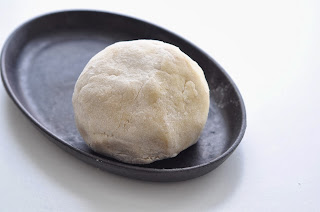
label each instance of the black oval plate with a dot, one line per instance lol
(43, 58)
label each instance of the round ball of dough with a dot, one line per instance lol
(141, 101)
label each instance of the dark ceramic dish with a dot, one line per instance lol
(43, 58)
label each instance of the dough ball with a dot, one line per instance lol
(141, 101)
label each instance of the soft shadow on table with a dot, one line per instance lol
(99, 190)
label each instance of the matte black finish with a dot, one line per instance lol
(43, 58)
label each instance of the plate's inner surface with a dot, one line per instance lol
(48, 64)
(48, 69)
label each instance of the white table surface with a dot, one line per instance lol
(271, 49)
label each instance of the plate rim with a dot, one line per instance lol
(120, 164)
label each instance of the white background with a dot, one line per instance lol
(271, 49)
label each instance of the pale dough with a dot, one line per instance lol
(141, 101)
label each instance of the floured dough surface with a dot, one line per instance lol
(141, 101)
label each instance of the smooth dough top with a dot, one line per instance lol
(141, 101)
